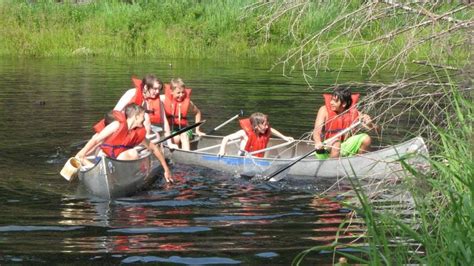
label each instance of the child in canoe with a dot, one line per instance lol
(254, 135)
(118, 139)
(177, 106)
(339, 113)
(147, 94)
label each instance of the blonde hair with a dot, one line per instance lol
(177, 83)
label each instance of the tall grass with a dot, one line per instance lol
(165, 28)
(194, 29)
(441, 231)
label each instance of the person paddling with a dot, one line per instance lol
(254, 135)
(177, 105)
(339, 113)
(119, 137)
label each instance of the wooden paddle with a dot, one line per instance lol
(226, 122)
(272, 175)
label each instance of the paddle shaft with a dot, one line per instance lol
(271, 148)
(226, 122)
(330, 140)
(176, 133)
(217, 146)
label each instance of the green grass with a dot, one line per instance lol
(177, 29)
(444, 205)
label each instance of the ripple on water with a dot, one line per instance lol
(167, 203)
(267, 254)
(181, 260)
(245, 217)
(31, 228)
(161, 230)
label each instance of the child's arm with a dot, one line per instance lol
(125, 99)
(96, 140)
(239, 134)
(159, 155)
(318, 127)
(367, 122)
(278, 134)
(197, 119)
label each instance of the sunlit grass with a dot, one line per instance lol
(178, 29)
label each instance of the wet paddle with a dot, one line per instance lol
(226, 122)
(272, 175)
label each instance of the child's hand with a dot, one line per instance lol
(318, 145)
(173, 146)
(200, 133)
(168, 177)
(289, 139)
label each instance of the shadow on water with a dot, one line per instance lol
(207, 217)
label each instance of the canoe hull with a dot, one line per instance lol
(111, 178)
(373, 164)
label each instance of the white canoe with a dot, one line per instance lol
(374, 164)
(110, 178)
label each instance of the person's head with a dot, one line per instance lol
(177, 89)
(109, 117)
(136, 114)
(341, 99)
(151, 86)
(259, 122)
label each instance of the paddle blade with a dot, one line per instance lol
(275, 173)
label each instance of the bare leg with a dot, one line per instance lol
(130, 154)
(365, 146)
(185, 141)
(335, 150)
(177, 140)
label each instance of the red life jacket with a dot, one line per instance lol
(336, 123)
(152, 106)
(176, 112)
(122, 139)
(255, 142)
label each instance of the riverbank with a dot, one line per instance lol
(168, 29)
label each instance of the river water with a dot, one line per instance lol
(47, 108)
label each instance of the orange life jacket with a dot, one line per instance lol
(338, 122)
(176, 112)
(255, 142)
(152, 106)
(122, 139)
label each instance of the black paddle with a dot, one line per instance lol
(271, 175)
(184, 129)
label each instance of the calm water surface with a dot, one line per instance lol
(47, 108)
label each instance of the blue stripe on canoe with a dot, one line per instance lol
(235, 160)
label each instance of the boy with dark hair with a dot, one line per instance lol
(339, 113)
